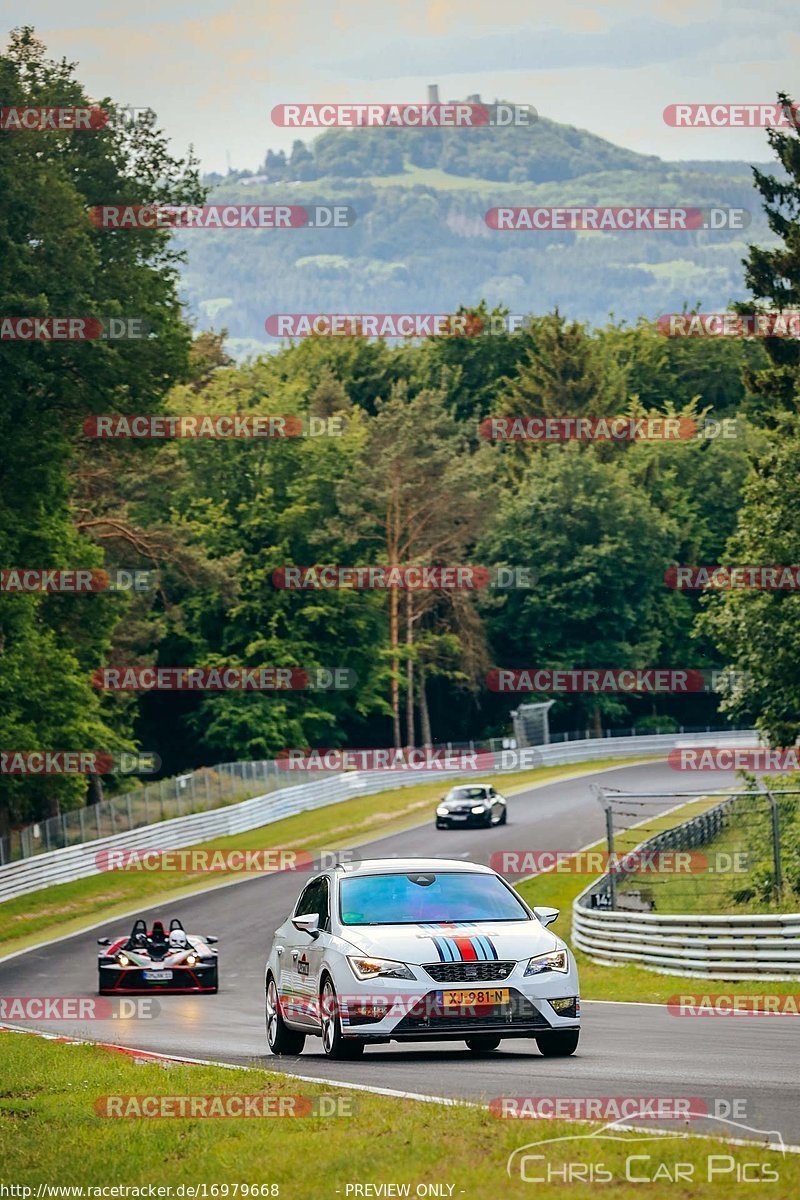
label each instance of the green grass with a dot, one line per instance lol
(68, 907)
(51, 1133)
(628, 981)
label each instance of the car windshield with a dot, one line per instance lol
(466, 793)
(424, 896)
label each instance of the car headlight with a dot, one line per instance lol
(191, 959)
(371, 968)
(479, 808)
(555, 960)
(442, 811)
(123, 960)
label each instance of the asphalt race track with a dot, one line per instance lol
(625, 1050)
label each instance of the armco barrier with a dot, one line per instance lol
(725, 947)
(79, 861)
(730, 947)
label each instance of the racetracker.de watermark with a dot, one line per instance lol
(732, 116)
(463, 578)
(615, 1108)
(225, 1104)
(597, 679)
(78, 1008)
(600, 862)
(79, 762)
(222, 216)
(52, 119)
(203, 860)
(734, 758)
(224, 679)
(727, 324)
(75, 581)
(424, 758)
(615, 219)
(726, 1004)
(396, 325)
(73, 329)
(223, 426)
(607, 429)
(451, 115)
(758, 578)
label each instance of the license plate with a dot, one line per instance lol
(458, 816)
(474, 996)
(157, 976)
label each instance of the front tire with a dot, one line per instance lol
(334, 1043)
(504, 818)
(482, 1043)
(558, 1044)
(280, 1038)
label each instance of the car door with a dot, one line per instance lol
(302, 958)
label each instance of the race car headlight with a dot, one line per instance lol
(191, 959)
(371, 968)
(442, 811)
(555, 960)
(123, 960)
(479, 808)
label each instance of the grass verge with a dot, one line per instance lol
(51, 1133)
(68, 907)
(630, 982)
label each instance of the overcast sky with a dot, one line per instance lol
(213, 69)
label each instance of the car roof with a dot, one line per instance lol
(405, 866)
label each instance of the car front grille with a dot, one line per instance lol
(469, 972)
(428, 1016)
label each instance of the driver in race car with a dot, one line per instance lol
(177, 941)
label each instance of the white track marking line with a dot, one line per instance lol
(447, 1101)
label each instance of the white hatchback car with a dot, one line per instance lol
(418, 949)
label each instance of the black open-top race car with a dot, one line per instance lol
(158, 961)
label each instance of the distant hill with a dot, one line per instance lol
(540, 153)
(420, 242)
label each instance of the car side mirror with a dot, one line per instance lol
(104, 941)
(309, 923)
(546, 915)
(212, 941)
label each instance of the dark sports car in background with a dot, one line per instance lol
(471, 804)
(157, 961)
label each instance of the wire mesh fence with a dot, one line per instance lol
(196, 791)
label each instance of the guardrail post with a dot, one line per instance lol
(612, 883)
(82, 818)
(130, 812)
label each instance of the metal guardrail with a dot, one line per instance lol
(729, 947)
(80, 861)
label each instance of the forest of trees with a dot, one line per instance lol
(407, 479)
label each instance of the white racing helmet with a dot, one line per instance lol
(177, 940)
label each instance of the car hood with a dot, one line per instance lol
(462, 942)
